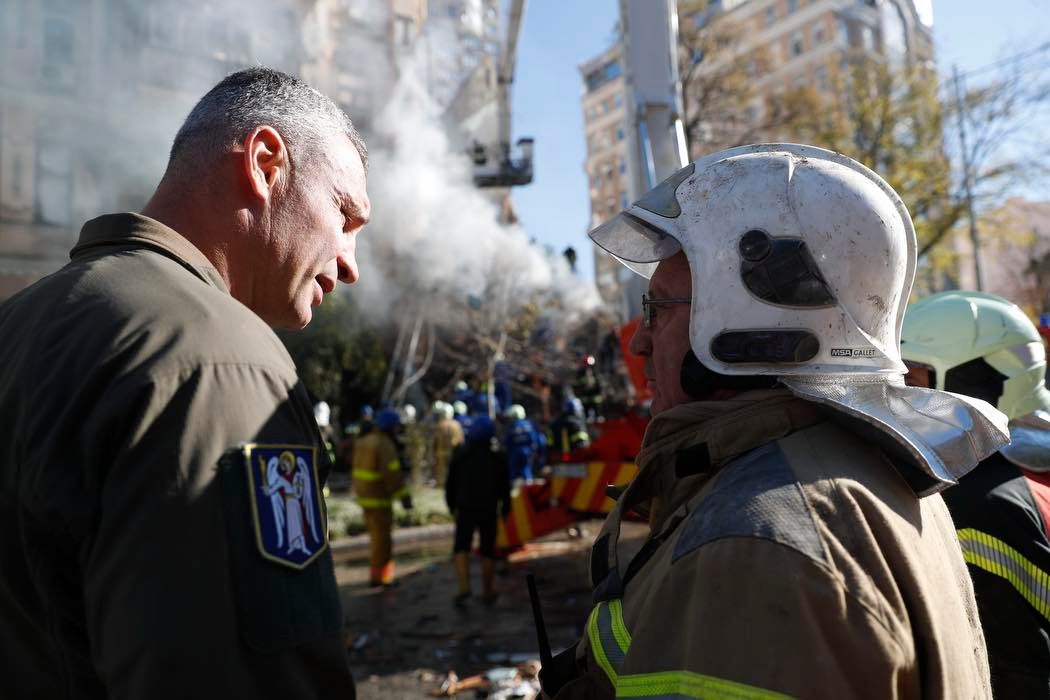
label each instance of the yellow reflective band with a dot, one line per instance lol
(373, 502)
(686, 684)
(608, 637)
(996, 557)
(597, 649)
(366, 475)
(394, 465)
(623, 637)
(403, 491)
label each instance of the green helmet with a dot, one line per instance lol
(967, 338)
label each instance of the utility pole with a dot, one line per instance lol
(968, 181)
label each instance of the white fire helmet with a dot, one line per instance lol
(802, 261)
(515, 412)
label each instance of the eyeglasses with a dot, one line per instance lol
(647, 307)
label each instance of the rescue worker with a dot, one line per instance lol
(414, 438)
(142, 388)
(463, 393)
(501, 390)
(477, 491)
(798, 543)
(447, 436)
(377, 481)
(462, 417)
(353, 432)
(323, 417)
(568, 431)
(983, 346)
(522, 443)
(588, 388)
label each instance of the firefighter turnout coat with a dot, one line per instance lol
(1001, 512)
(377, 477)
(787, 557)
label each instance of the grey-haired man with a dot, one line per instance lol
(147, 409)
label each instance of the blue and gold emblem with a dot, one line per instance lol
(289, 521)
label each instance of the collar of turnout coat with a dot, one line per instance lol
(691, 441)
(130, 230)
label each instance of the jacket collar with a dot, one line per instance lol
(708, 432)
(725, 428)
(135, 230)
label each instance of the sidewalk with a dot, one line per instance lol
(406, 539)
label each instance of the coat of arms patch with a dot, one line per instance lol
(289, 522)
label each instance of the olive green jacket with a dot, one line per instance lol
(129, 562)
(787, 558)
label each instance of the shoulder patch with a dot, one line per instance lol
(757, 495)
(290, 527)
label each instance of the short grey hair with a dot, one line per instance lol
(260, 96)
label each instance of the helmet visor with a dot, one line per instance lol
(636, 243)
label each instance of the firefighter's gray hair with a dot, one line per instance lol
(260, 96)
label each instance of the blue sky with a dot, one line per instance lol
(558, 36)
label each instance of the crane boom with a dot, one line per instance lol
(502, 170)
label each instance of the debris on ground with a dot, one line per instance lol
(500, 683)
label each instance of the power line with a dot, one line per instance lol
(1016, 58)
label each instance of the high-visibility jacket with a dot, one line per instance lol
(1001, 514)
(787, 557)
(376, 474)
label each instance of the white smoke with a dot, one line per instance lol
(435, 238)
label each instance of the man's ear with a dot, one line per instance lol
(265, 161)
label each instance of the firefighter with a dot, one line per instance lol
(568, 431)
(352, 433)
(984, 346)
(588, 388)
(798, 543)
(463, 393)
(462, 417)
(414, 439)
(377, 481)
(522, 443)
(447, 435)
(477, 490)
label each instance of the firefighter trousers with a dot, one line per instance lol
(380, 525)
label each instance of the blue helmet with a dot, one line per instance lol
(388, 419)
(481, 430)
(367, 412)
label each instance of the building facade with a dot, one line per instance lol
(777, 45)
(92, 93)
(605, 119)
(1015, 254)
(786, 44)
